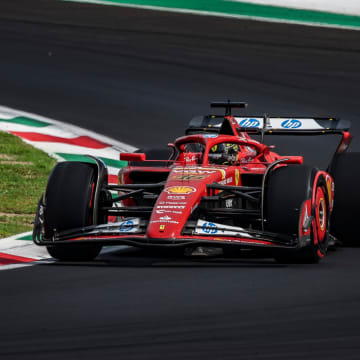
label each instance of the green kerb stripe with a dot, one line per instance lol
(275, 13)
(109, 162)
(25, 237)
(22, 120)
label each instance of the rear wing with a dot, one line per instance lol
(232, 124)
(229, 124)
(292, 125)
(268, 125)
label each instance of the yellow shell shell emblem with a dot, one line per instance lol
(184, 190)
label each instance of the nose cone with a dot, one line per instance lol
(181, 195)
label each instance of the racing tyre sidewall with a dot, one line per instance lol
(287, 190)
(69, 204)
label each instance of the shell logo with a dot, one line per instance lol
(183, 190)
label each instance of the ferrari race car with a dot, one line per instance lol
(217, 188)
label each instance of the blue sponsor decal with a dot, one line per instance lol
(210, 136)
(209, 228)
(249, 123)
(291, 124)
(126, 226)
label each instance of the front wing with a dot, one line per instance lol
(120, 234)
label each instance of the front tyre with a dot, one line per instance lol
(69, 204)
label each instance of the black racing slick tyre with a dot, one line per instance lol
(68, 204)
(345, 171)
(287, 189)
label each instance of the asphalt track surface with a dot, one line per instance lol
(139, 76)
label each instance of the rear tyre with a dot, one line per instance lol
(344, 220)
(287, 189)
(69, 204)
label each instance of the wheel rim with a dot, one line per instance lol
(321, 214)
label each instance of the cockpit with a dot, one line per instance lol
(200, 151)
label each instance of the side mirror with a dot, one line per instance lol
(293, 160)
(132, 156)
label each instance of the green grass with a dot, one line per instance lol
(10, 225)
(20, 184)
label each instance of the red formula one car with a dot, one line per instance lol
(219, 188)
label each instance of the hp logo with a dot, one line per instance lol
(291, 124)
(209, 228)
(249, 123)
(126, 226)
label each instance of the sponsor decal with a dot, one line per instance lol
(188, 177)
(247, 159)
(164, 221)
(226, 181)
(195, 171)
(257, 168)
(228, 203)
(170, 207)
(165, 217)
(183, 190)
(210, 136)
(126, 226)
(172, 202)
(249, 123)
(190, 159)
(199, 170)
(170, 197)
(168, 212)
(291, 124)
(209, 228)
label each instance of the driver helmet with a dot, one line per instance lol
(224, 153)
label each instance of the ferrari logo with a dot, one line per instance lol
(162, 228)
